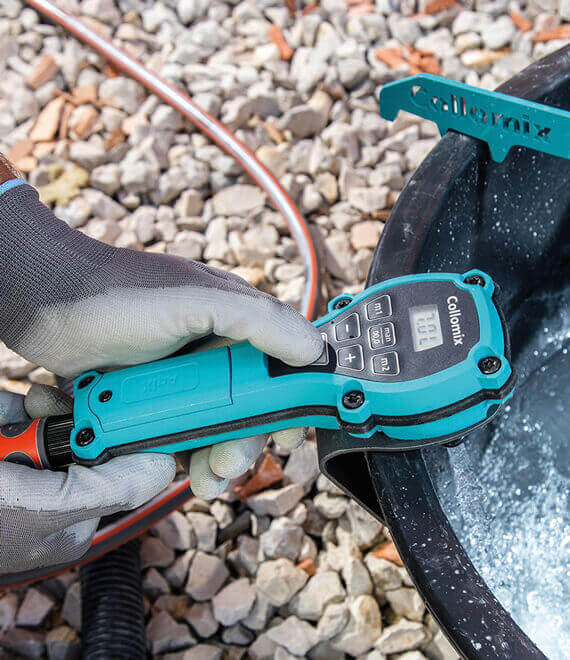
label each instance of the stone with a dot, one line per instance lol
(385, 575)
(205, 529)
(368, 200)
(8, 610)
(202, 652)
(323, 588)
(260, 613)
(302, 121)
(189, 204)
(356, 577)
(206, 576)
(365, 234)
(275, 502)
(71, 609)
(103, 206)
(263, 648)
(75, 213)
(123, 93)
(279, 580)
(331, 506)
(62, 643)
(326, 185)
(154, 552)
(87, 154)
(170, 184)
(307, 69)
(239, 200)
(165, 634)
(201, 618)
(282, 539)
(401, 636)
(106, 178)
(417, 152)
(238, 635)
(338, 257)
(154, 584)
(23, 105)
(405, 30)
(24, 643)
(47, 122)
(302, 466)
(295, 635)
(365, 530)
(439, 648)
(188, 244)
(498, 34)
(406, 602)
(352, 71)
(248, 553)
(177, 572)
(363, 628)
(333, 620)
(223, 513)
(234, 602)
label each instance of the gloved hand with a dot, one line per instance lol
(49, 518)
(71, 303)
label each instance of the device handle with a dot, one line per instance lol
(39, 443)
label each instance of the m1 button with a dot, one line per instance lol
(379, 307)
(382, 335)
(348, 328)
(386, 364)
(351, 358)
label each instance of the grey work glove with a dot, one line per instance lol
(72, 304)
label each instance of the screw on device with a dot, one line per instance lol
(353, 399)
(85, 381)
(489, 365)
(85, 437)
(343, 302)
(475, 279)
(105, 396)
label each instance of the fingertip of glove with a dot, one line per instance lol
(231, 459)
(289, 439)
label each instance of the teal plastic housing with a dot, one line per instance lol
(190, 401)
(498, 119)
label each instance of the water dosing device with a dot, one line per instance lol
(412, 361)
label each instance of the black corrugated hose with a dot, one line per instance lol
(112, 607)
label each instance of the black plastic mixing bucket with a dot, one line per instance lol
(503, 493)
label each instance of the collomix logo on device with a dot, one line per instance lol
(454, 312)
(461, 108)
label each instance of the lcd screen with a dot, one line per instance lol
(426, 327)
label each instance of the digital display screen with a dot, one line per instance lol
(426, 327)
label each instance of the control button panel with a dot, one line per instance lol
(386, 364)
(351, 357)
(373, 339)
(348, 328)
(379, 307)
(382, 335)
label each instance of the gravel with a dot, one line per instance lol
(291, 571)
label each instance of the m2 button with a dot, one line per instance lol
(386, 364)
(382, 335)
(351, 358)
(379, 307)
